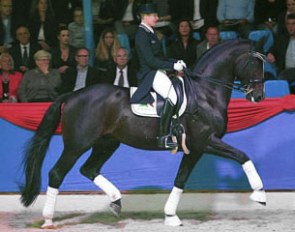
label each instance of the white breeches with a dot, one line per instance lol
(163, 86)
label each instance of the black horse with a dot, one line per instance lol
(100, 118)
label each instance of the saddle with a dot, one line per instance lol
(154, 109)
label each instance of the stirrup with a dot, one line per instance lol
(166, 142)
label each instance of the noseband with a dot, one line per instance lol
(247, 87)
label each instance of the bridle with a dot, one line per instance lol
(245, 88)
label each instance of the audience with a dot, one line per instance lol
(236, 15)
(105, 50)
(42, 24)
(266, 14)
(23, 50)
(64, 9)
(64, 54)
(81, 75)
(102, 18)
(184, 47)
(76, 29)
(200, 12)
(211, 39)
(8, 22)
(125, 13)
(10, 79)
(123, 73)
(42, 83)
(283, 52)
(290, 9)
(43, 76)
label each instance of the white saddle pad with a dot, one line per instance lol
(150, 110)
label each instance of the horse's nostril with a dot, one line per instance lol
(259, 98)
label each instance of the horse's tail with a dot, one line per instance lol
(36, 149)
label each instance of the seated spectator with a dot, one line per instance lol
(201, 13)
(10, 79)
(80, 76)
(23, 50)
(8, 22)
(42, 24)
(266, 14)
(123, 73)
(125, 13)
(236, 15)
(102, 17)
(184, 47)
(289, 9)
(282, 54)
(64, 54)
(63, 10)
(211, 39)
(76, 29)
(105, 50)
(42, 83)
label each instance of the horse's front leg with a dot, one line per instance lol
(186, 166)
(218, 147)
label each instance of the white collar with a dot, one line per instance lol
(148, 27)
(25, 45)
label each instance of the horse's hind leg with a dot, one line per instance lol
(101, 152)
(218, 147)
(56, 177)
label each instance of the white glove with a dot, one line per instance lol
(179, 65)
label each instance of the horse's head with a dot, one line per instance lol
(250, 72)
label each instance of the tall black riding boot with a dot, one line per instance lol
(164, 137)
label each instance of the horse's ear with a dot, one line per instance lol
(258, 45)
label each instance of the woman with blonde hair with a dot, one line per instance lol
(106, 49)
(9, 79)
(41, 84)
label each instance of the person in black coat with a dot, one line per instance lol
(80, 76)
(185, 46)
(63, 54)
(17, 51)
(42, 24)
(281, 53)
(123, 68)
(207, 10)
(151, 60)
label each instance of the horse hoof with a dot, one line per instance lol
(48, 224)
(172, 220)
(115, 209)
(259, 196)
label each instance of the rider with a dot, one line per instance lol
(152, 75)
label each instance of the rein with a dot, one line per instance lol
(244, 88)
(236, 86)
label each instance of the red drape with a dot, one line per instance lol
(241, 113)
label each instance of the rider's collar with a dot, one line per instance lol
(147, 27)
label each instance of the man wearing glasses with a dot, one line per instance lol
(80, 76)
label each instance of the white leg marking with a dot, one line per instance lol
(256, 184)
(49, 207)
(171, 218)
(253, 177)
(110, 190)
